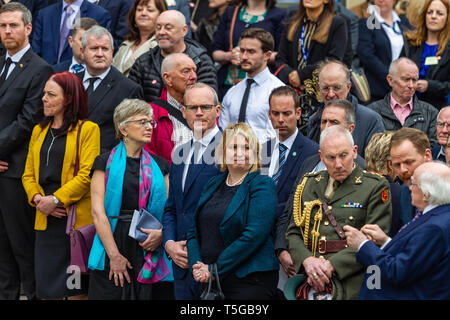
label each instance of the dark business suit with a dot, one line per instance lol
(21, 109)
(435, 153)
(414, 264)
(62, 66)
(118, 10)
(113, 89)
(46, 29)
(181, 205)
(246, 233)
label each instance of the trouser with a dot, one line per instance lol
(16, 241)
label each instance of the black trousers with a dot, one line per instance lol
(16, 241)
(255, 286)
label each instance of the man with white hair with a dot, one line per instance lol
(442, 130)
(170, 31)
(414, 264)
(343, 194)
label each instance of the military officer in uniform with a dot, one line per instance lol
(324, 202)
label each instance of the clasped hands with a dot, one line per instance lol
(47, 206)
(369, 231)
(319, 272)
(200, 272)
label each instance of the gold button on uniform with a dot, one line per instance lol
(326, 223)
(351, 218)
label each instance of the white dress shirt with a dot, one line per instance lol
(180, 133)
(257, 112)
(274, 160)
(204, 142)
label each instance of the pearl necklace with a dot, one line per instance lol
(237, 182)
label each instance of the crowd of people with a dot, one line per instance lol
(240, 128)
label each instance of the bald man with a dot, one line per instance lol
(170, 34)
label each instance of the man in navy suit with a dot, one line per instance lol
(283, 156)
(442, 130)
(192, 166)
(414, 264)
(53, 20)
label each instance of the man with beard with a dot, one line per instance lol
(248, 101)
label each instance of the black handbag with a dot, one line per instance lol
(211, 293)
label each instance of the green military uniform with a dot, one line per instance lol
(362, 198)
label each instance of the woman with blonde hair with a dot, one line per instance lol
(428, 46)
(233, 222)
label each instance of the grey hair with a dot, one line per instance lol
(27, 18)
(436, 186)
(127, 109)
(394, 65)
(170, 60)
(97, 32)
(347, 106)
(335, 131)
(440, 111)
(202, 85)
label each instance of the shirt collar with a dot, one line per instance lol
(74, 62)
(206, 139)
(102, 76)
(260, 77)
(441, 152)
(289, 141)
(429, 208)
(374, 11)
(18, 55)
(173, 101)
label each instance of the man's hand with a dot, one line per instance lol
(354, 237)
(422, 85)
(294, 79)
(375, 234)
(319, 272)
(286, 262)
(178, 251)
(3, 166)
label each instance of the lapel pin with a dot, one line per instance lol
(294, 153)
(20, 65)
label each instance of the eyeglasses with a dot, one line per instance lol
(442, 125)
(204, 108)
(411, 183)
(144, 123)
(334, 88)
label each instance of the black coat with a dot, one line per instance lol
(422, 117)
(146, 71)
(113, 89)
(438, 76)
(21, 109)
(335, 47)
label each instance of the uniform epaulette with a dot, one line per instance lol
(311, 174)
(373, 175)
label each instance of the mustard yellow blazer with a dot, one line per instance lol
(73, 189)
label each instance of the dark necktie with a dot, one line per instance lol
(281, 162)
(418, 214)
(5, 72)
(245, 100)
(90, 89)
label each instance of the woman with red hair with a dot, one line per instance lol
(50, 183)
(429, 48)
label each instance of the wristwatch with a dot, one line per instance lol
(55, 200)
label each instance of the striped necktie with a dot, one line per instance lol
(418, 214)
(281, 162)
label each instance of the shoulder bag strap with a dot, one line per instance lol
(72, 209)
(233, 21)
(172, 111)
(333, 221)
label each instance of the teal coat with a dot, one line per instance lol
(245, 229)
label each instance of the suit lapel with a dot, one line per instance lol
(55, 26)
(18, 69)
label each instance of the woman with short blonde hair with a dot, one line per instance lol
(234, 219)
